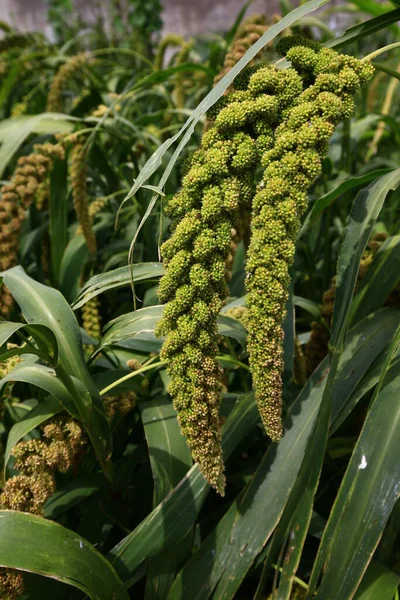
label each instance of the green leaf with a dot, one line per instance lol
(365, 500)
(165, 74)
(176, 515)
(45, 379)
(169, 453)
(371, 7)
(72, 263)
(221, 563)
(118, 278)
(31, 545)
(43, 336)
(230, 36)
(9, 80)
(311, 307)
(14, 131)
(47, 306)
(297, 536)
(38, 415)
(132, 325)
(327, 199)
(378, 582)
(140, 325)
(365, 30)
(362, 218)
(170, 460)
(72, 494)
(58, 213)
(364, 343)
(229, 327)
(380, 280)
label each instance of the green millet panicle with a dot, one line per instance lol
(91, 319)
(171, 40)
(6, 366)
(291, 166)
(77, 169)
(219, 180)
(37, 460)
(180, 90)
(30, 490)
(94, 209)
(239, 313)
(275, 121)
(62, 79)
(299, 364)
(119, 405)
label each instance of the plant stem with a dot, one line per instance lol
(130, 375)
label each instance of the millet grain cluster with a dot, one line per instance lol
(283, 120)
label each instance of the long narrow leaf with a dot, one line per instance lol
(177, 513)
(47, 306)
(170, 460)
(118, 278)
(41, 413)
(362, 218)
(380, 280)
(365, 30)
(39, 546)
(366, 498)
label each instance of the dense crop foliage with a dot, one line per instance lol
(200, 372)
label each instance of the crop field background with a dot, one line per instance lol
(200, 300)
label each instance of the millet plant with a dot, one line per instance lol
(200, 370)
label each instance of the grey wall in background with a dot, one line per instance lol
(205, 16)
(187, 17)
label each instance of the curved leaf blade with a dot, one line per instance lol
(77, 562)
(170, 460)
(41, 413)
(176, 515)
(46, 306)
(43, 336)
(45, 379)
(144, 320)
(366, 497)
(117, 278)
(362, 218)
(327, 199)
(381, 278)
